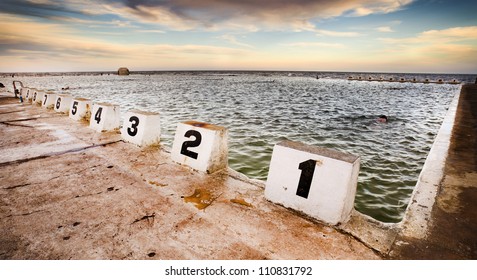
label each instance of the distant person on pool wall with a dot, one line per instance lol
(382, 119)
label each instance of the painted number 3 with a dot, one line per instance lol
(190, 144)
(132, 131)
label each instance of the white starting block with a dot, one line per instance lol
(80, 108)
(63, 103)
(201, 146)
(316, 181)
(104, 117)
(26, 94)
(141, 128)
(48, 100)
(37, 97)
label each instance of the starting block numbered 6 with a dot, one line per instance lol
(316, 181)
(201, 146)
(104, 117)
(141, 128)
(62, 103)
(80, 109)
(48, 100)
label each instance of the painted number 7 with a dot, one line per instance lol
(307, 170)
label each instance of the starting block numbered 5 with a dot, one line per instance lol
(104, 117)
(80, 109)
(201, 146)
(141, 128)
(48, 100)
(62, 103)
(316, 181)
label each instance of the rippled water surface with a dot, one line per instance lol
(261, 109)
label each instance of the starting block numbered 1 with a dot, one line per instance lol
(63, 103)
(201, 146)
(141, 128)
(80, 109)
(104, 117)
(316, 181)
(48, 100)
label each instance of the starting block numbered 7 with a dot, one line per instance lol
(316, 181)
(201, 146)
(141, 128)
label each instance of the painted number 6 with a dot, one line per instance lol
(190, 144)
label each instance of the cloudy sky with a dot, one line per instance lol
(433, 36)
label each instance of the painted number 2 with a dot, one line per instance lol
(132, 131)
(190, 144)
(307, 169)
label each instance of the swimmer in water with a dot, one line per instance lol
(382, 119)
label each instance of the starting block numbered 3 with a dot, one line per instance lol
(62, 103)
(141, 128)
(104, 117)
(316, 181)
(80, 109)
(48, 100)
(201, 146)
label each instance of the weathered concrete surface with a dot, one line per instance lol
(452, 228)
(68, 192)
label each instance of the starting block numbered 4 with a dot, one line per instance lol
(104, 117)
(48, 100)
(80, 109)
(63, 103)
(201, 146)
(141, 128)
(316, 181)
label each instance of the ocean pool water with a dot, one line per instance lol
(261, 109)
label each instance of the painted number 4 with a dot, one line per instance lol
(97, 116)
(307, 170)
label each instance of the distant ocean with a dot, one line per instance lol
(262, 108)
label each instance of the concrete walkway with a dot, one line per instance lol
(68, 192)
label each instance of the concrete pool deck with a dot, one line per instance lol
(69, 192)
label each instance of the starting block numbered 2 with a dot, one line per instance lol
(62, 103)
(141, 128)
(316, 181)
(201, 146)
(104, 117)
(80, 109)
(48, 100)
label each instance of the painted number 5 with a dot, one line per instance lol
(307, 169)
(190, 144)
(132, 131)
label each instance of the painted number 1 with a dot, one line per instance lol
(190, 144)
(307, 169)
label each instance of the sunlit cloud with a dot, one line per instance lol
(316, 44)
(336, 33)
(385, 29)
